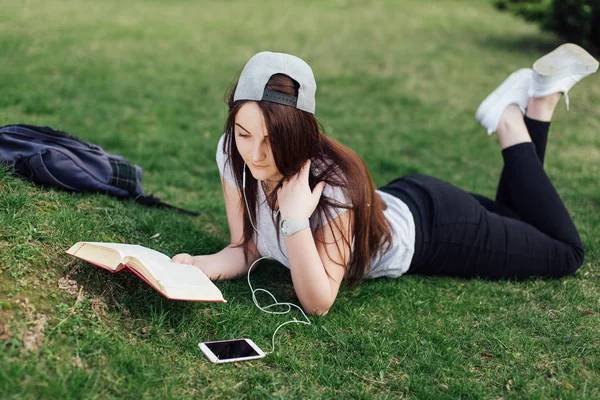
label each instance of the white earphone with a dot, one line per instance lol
(275, 302)
(244, 182)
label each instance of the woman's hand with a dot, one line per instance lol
(295, 199)
(226, 264)
(183, 258)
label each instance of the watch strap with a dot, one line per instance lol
(290, 226)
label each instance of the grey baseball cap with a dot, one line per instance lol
(259, 69)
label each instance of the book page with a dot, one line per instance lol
(169, 273)
(184, 280)
(180, 281)
(151, 259)
(102, 256)
(133, 250)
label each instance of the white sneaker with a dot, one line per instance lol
(559, 70)
(514, 90)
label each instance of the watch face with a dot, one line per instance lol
(285, 227)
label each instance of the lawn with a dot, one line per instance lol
(398, 81)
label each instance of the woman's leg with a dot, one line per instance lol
(532, 194)
(537, 121)
(457, 236)
(536, 90)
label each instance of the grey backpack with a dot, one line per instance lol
(55, 158)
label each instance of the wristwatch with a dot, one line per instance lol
(290, 226)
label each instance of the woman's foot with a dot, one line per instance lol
(559, 70)
(542, 108)
(514, 90)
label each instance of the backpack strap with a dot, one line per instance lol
(151, 201)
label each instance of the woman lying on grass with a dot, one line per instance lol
(309, 202)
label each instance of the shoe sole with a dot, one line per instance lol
(582, 63)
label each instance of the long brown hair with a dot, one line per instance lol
(295, 136)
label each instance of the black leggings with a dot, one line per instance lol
(526, 231)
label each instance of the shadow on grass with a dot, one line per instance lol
(526, 44)
(125, 293)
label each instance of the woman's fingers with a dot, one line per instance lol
(318, 190)
(183, 258)
(302, 175)
(305, 171)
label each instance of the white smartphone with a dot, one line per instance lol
(223, 351)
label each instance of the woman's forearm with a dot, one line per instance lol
(226, 264)
(310, 279)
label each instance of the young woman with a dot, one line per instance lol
(306, 200)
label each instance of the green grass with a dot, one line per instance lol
(398, 82)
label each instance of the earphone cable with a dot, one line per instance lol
(275, 303)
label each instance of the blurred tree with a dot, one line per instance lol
(577, 21)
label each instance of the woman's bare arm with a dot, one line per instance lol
(315, 266)
(316, 275)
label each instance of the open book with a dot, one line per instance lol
(172, 280)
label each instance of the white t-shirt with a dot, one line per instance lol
(392, 263)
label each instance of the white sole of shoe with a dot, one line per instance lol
(566, 60)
